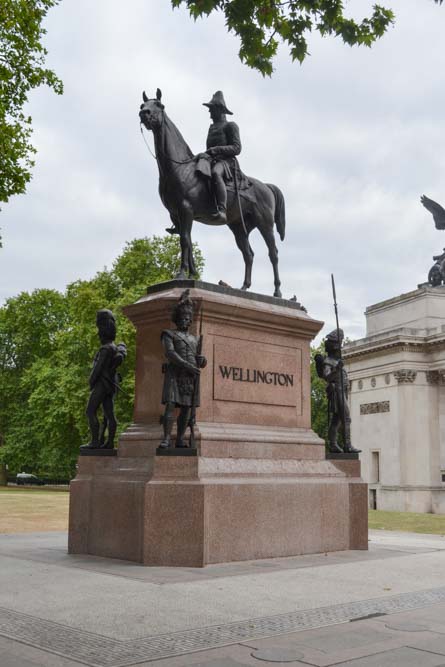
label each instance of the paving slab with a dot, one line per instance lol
(107, 613)
(401, 657)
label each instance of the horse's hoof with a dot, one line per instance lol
(244, 288)
(181, 276)
(278, 294)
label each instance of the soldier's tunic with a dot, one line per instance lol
(333, 389)
(181, 386)
(103, 377)
(224, 136)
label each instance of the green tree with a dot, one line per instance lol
(262, 24)
(22, 59)
(319, 401)
(47, 342)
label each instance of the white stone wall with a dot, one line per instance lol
(397, 398)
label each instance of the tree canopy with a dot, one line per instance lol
(319, 401)
(22, 60)
(47, 343)
(262, 24)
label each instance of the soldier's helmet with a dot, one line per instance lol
(184, 306)
(334, 340)
(106, 324)
(218, 101)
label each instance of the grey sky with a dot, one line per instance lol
(353, 138)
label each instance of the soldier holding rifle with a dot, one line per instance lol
(104, 382)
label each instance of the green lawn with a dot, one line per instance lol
(27, 510)
(24, 509)
(408, 522)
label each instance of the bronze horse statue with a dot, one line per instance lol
(187, 196)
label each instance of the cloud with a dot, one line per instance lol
(353, 138)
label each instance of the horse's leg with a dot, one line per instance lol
(266, 229)
(242, 241)
(185, 229)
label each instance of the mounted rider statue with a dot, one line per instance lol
(210, 188)
(217, 163)
(223, 143)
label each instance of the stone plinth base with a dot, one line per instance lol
(219, 510)
(259, 485)
(193, 511)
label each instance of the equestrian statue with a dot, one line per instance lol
(210, 188)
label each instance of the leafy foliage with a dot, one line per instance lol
(319, 401)
(22, 58)
(47, 342)
(262, 24)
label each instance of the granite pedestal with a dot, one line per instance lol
(260, 485)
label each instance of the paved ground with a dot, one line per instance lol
(385, 607)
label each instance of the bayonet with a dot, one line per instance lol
(342, 389)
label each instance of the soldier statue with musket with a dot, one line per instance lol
(182, 370)
(330, 368)
(104, 383)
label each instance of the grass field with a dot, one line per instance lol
(27, 510)
(434, 524)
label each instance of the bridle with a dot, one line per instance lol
(166, 157)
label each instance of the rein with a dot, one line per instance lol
(162, 152)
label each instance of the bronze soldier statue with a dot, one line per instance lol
(104, 382)
(223, 144)
(182, 370)
(330, 368)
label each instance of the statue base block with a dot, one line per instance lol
(98, 452)
(176, 451)
(258, 484)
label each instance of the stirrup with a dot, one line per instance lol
(220, 214)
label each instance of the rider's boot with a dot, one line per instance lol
(171, 230)
(220, 216)
(221, 200)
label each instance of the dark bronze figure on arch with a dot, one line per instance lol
(436, 275)
(210, 187)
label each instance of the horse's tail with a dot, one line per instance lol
(280, 213)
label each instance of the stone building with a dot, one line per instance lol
(397, 382)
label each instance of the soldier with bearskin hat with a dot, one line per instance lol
(104, 382)
(182, 370)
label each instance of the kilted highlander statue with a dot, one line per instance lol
(182, 371)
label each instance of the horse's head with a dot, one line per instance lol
(152, 111)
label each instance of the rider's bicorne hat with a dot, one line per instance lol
(218, 101)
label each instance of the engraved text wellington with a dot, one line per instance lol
(254, 375)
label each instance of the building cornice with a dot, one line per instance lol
(415, 344)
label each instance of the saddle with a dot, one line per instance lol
(232, 171)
